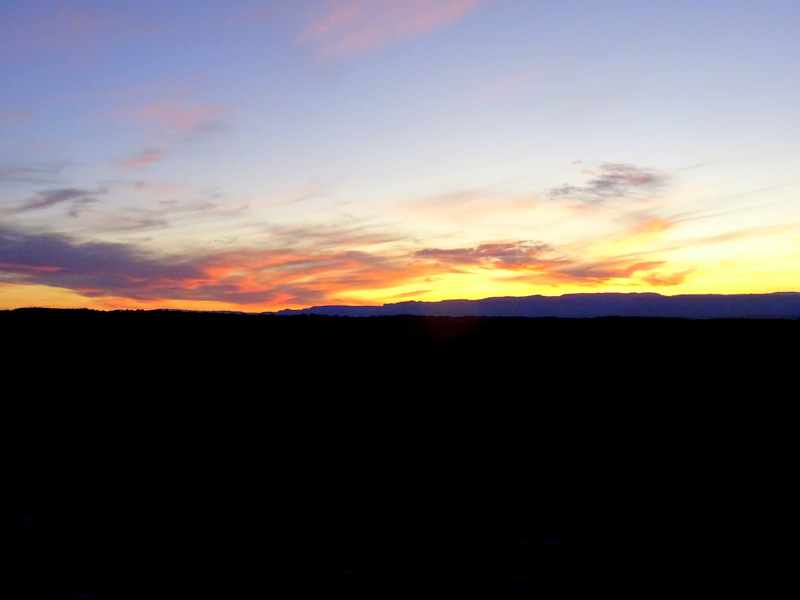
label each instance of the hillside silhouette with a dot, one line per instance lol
(777, 305)
(393, 456)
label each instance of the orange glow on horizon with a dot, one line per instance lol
(275, 279)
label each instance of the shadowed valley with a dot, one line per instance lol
(221, 454)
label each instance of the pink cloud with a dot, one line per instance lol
(175, 117)
(144, 158)
(351, 26)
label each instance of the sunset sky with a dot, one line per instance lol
(257, 155)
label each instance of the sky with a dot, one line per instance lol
(257, 155)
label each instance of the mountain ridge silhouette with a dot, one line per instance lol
(775, 305)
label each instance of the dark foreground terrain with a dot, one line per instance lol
(185, 455)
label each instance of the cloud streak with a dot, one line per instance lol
(506, 255)
(176, 118)
(595, 273)
(146, 157)
(540, 263)
(49, 198)
(30, 174)
(348, 27)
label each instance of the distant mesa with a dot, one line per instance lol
(778, 305)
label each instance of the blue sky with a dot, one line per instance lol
(258, 155)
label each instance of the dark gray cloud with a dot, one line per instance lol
(90, 268)
(612, 181)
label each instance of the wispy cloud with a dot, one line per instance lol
(330, 237)
(157, 205)
(144, 158)
(504, 255)
(538, 263)
(176, 118)
(49, 198)
(611, 182)
(348, 27)
(37, 174)
(610, 186)
(622, 270)
(165, 124)
(160, 188)
(299, 278)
